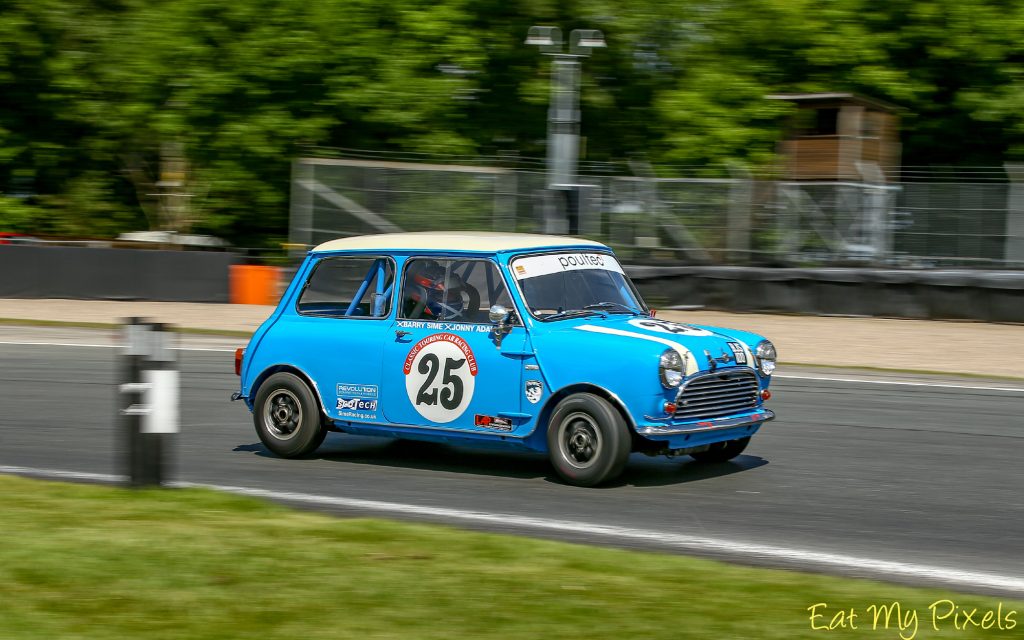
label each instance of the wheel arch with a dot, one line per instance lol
(544, 417)
(295, 371)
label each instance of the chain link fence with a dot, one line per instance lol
(922, 222)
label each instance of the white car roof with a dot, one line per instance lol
(477, 241)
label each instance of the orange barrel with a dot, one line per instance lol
(251, 284)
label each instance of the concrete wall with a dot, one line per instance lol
(28, 271)
(991, 296)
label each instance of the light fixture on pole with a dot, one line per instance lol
(563, 112)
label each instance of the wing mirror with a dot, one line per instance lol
(499, 316)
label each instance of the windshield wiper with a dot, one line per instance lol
(572, 313)
(614, 307)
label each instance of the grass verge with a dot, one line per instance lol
(83, 561)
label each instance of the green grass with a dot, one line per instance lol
(81, 561)
(23, 322)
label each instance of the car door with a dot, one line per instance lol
(337, 329)
(445, 366)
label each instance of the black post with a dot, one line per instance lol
(149, 409)
(130, 395)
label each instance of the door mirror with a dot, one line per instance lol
(498, 314)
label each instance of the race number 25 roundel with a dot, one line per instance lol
(440, 376)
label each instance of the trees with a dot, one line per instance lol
(93, 91)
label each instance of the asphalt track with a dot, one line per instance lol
(923, 472)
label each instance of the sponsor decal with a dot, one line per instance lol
(357, 404)
(534, 390)
(664, 326)
(345, 413)
(533, 266)
(493, 422)
(444, 326)
(357, 390)
(440, 376)
(738, 354)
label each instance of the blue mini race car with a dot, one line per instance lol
(520, 341)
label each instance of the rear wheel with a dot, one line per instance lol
(287, 416)
(722, 451)
(588, 441)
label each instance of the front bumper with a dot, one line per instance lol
(757, 416)
(686, 435)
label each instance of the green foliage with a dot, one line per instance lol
(92, 90)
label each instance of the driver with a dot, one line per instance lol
(428, 297)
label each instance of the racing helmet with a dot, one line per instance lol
(428, 289)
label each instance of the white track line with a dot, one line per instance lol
(111, 346)
(697, 544)
(784, 376)
(906, 383)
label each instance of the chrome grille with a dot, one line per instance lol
(713, 395)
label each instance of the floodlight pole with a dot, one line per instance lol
(564, 108)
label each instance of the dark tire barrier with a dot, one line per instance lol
(989, 296)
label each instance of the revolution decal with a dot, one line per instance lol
(663, 326)
(440, 377)
(534, 390)
(356, 400)
(533, 266)
(358, 390)
(493, 422)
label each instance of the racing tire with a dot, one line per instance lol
(588, 440)
(722, 451)
(287, 416)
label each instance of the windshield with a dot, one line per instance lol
(564, 285)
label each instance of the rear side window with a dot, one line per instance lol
(349, 288)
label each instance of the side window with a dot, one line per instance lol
(349, 287)
(461, 290)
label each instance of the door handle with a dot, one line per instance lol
(401, 334)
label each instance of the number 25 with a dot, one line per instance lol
(451, 397)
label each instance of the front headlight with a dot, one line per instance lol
(766, 357)
(670, 369)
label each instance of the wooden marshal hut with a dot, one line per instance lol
(841, 137)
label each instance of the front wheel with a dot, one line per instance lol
(287, 416)
(588, 441)
(722, 451)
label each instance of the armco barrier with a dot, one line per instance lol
(991, 296)
(201, 276)
(113, 274)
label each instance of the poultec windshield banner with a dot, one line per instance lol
(533, 266)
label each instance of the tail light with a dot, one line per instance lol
(238, 360)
